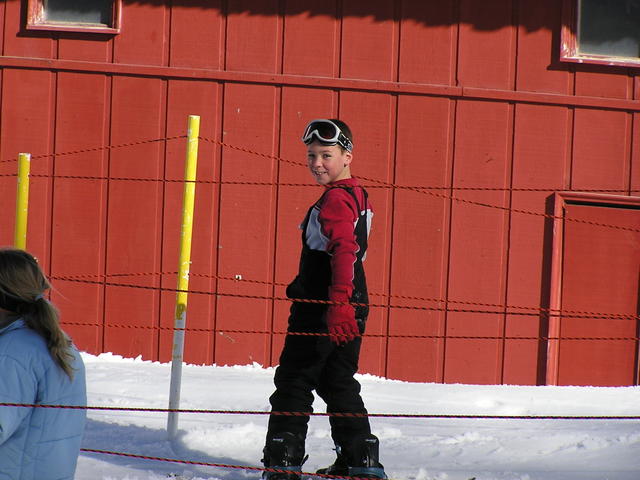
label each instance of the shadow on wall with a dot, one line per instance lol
(486, 15)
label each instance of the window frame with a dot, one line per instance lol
(569, 48)
(35, 20)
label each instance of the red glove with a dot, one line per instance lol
(341, 318)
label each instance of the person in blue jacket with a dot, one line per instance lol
(38, 366)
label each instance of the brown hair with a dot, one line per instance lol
(345, 129)
(22, 287)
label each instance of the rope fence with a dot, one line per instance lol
(217, 465)
(316, 414)
(419, 188)
(444, 305)
(323, 414)
(503, 309)
(375, 183)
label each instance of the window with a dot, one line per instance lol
(601, 31)
(102, 16)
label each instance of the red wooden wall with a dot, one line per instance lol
(465, 124)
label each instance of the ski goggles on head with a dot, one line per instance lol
(327, 133)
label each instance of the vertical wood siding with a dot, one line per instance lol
(461, 106)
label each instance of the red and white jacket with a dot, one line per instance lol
(334, 244)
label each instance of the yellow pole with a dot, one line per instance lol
(188, 203)
(22, 201)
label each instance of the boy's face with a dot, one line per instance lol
(328, 163)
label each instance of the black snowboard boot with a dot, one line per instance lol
(358, 458)
(285, 452)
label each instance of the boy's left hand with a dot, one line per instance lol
(342, 324)
(341, 319)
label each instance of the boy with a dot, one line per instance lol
(334, 244)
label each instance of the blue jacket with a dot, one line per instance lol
(38, 443)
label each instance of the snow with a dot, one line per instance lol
(411, 448)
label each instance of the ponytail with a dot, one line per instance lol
(44, 320)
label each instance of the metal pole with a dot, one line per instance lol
(183, 272)
(22, 201)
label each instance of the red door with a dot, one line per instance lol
(596, 288)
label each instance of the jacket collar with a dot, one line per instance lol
(10, 323)
(345, 182)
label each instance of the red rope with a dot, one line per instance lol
(546, 312)
(377, 183)
(97, 149)
(535, 310)
(223, 331)
(326, 414)
(173, 460)
(310, 184)
(217, 465)
(422, 191)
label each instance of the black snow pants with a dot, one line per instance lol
(313, 362)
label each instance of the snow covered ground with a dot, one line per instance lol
(411, 448)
